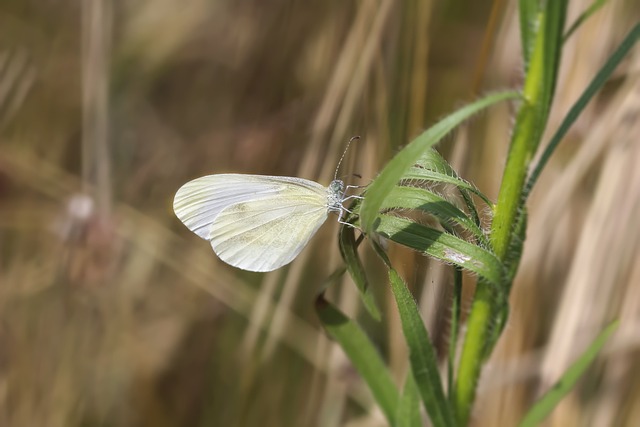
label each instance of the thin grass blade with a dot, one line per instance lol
(409, 407)
(552, 34)
(543, 407)
(422, 356)
(363, 355)
(435, 168)
(456, 305)
(595, 6)
(349, 251)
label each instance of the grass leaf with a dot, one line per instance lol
(433, 167)
(416, 173)
(433, 204)
(442, 246)
(595, 6)
(422, 355)
(384, 184)
(543, 407)
(362, 354)
(552, 36)
(456, 305)
(409, 407)
(349, 251)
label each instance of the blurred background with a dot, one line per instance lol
(113, 314)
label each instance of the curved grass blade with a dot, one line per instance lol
(409, 406)
(431, 203)
(432, 161)
(468, 201)
(363, 355)
(442, 246)
(595, 6)
(427, 175)
(349, 251)
(543, 407)
(598, 81)
(422, 355)
(380, 188)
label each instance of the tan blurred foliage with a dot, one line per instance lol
(113, 314)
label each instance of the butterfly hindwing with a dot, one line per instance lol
(266, 234)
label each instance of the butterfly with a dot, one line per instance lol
(258, 222)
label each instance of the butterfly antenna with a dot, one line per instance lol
(353, 138)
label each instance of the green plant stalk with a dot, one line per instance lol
(527, 132)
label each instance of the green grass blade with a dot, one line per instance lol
(595, 6)
(363, 355)
(422, 355)
(349, 251)
(468, 201)
(433, 167)
(543, 407)
(431, 203)
(409, 407)
(432, 160)
(553, 29)
(416, 173)
(598, 81)
(528, 17)
(514, 254)
(456, 305)
(442, 246)
(405, 159)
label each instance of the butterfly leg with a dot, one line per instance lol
(344, 210)
(348, 224)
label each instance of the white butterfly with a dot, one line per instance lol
(256, 222)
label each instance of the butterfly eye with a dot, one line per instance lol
(336, 186)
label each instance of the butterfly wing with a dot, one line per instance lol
(257, 223)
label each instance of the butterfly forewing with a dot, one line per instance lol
(257, 223)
